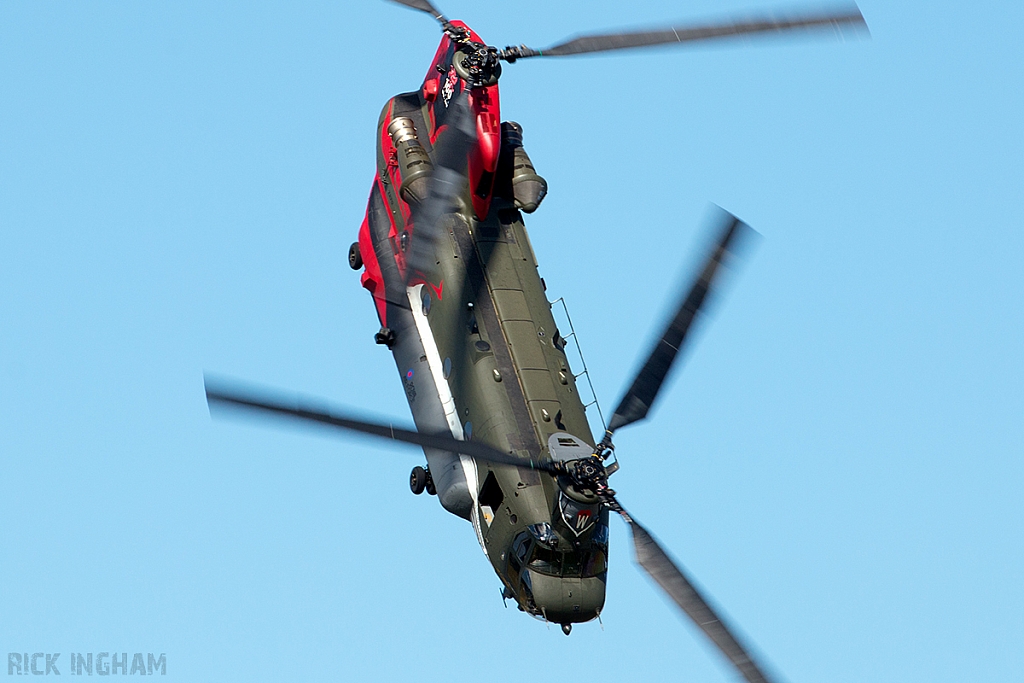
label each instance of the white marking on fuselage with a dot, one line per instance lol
(444, 392)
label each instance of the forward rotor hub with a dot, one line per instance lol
(590, 473)
(588, 476)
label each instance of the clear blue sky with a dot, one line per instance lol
(838, 463)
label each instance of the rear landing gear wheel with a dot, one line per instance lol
(566, 629)
(430, 488)
(355, 258)
(418, 480)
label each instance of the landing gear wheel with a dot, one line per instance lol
(418, 480)
(566, 629)
(386, 337)
(431, 489)
(355, 259)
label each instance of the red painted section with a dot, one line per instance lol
(485, 102)
(438, 290)
(483, 160)
(372, 279)
(435, 79)
(482, 163)
(395, 179)
(430, 90)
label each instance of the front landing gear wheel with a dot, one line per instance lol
(566, 629)
(355, 258)
(418, 480)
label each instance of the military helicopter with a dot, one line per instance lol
(445, 255)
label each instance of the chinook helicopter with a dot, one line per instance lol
(444, 253)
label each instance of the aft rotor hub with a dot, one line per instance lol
(478, 64)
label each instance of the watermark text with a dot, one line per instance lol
(86, 664)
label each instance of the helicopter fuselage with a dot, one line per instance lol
(446, 257)
(477, 349)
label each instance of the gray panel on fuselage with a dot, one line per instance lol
(411, 360)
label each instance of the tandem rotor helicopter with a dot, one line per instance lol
(445, 256)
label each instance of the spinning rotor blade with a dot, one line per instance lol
(656, 562)
(690, 33)
(641, 395)
(423, 6)
(263, 403)
(446, 185)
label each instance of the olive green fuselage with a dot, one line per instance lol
(480, 355)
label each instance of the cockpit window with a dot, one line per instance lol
(585, 563)
(545, 560)
(597, 562)
(521, 546)
(571, 565)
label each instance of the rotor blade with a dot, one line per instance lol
(446, 185)
(836, 19)
(641, 395)
(423, 6)
(261, 402)
(656, 562)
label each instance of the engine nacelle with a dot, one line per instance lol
(528, 188)
(413, 163)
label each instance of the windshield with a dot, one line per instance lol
(584, 563)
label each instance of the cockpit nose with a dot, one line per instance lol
(566, 600)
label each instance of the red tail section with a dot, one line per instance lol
(441, 85)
